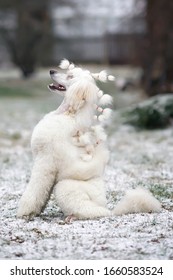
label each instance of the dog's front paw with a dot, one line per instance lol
(28, 209)
(26, 214)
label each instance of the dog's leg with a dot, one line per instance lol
(39, 188)
(91, 210)
(82, 199)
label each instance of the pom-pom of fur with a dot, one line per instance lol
(111, 78)
(95, 76)
(105, 100)
(103, 76)
(100, 93)
(99, 133)
(101, 118)
(64, 64)
(107, 113)
(84, 139)
(71, 66)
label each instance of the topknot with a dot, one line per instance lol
(102, 113)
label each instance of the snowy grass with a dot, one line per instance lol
(138, 158)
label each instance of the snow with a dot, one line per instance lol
(137, 158)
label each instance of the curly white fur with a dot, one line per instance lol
(70, 154)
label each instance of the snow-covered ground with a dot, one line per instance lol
(138, 158)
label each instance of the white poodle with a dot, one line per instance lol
(70, 153)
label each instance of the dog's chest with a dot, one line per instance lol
(53, 130)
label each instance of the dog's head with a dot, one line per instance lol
(78, 86)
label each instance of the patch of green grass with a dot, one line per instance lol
(154, 113)
(161, 191)
(14, 92)
(23, 88)
(16, 136)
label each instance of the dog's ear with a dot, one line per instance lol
(80, 93)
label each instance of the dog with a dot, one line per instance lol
(70, 152)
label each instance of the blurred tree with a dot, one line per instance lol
(158, 60)
(30, 41)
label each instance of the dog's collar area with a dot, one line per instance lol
(58, 87)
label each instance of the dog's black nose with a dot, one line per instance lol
(52, 72)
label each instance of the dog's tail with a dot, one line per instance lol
(137, 200)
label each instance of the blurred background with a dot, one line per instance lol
(139, 33)
(132, 39)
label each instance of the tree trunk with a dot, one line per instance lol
(158, 67)
(30, 42)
